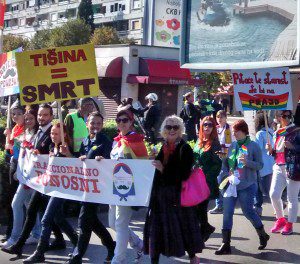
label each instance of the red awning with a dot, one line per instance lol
(163, 72)
(114, 69)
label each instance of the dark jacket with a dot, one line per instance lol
(292, 156)
(43, 144)
(100, 146)
(177, 169)
(152, 117)
(190, 115)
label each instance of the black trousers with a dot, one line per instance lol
(88, 222)
(38, 203)
(202, 213)
(10, 191)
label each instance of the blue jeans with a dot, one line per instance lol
(54, 213)
(264, 184)
(246, 199)
(21, 199)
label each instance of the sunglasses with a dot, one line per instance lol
(123, 120)
(286, 116)
(169, 127)
(208, 125)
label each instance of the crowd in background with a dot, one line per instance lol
(234, 167)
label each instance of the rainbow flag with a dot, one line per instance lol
(244, 150)
(281, 132)
(263, 101)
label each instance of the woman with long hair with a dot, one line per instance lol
(54, 210)
(206, 157)
(127, 145)
(23, 193)
(171, 229)
(286, 172)
(239, 172)
(265, 174)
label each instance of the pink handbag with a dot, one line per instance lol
(195, 189)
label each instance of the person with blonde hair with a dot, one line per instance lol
(171, 229)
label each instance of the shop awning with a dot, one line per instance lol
(110, 68)
(163, 72)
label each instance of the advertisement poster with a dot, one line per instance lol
(2, 12)
(162, 26)
(9, 83)
(262, 89)
(57, 74)
(236, 34)
(126, 182)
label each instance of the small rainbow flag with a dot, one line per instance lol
(281, 132)
(244, 149)
(263, 101)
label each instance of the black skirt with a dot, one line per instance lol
(169, 228)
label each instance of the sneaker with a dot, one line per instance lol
(288, 229)
(139, 256)
(7, 243)
(279, 224)
(31, 241)
(216, 210)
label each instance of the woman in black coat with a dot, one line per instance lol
(171, 229)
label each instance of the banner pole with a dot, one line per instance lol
(266, 126)
(61, 122)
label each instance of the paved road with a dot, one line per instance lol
(281, 249)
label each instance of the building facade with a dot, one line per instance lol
(26, 17)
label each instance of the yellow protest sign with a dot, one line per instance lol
(57, 74)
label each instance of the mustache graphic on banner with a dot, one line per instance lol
(10, 72)
(122, 187)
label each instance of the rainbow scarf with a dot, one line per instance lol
(132, 145)
(282, 132)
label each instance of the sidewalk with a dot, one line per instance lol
(281, 249)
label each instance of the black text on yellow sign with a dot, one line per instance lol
(57, 74)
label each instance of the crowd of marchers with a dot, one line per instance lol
(229, 164)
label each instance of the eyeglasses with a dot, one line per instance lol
(286, 116)
(123, 120)
(208, 125)
(169, 127)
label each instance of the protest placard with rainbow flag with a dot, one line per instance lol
(262, 89)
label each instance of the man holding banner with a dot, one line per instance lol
(96, 144)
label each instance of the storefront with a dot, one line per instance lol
(134, 71)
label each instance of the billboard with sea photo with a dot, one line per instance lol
(239, 34)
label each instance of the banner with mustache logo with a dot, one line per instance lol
(127, 182)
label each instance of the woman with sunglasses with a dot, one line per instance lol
(206, 157)
(286, 172)
(127, 145)
(171, 229)
(239, 169)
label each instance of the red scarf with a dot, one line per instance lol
(168, 149)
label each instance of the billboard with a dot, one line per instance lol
(239, 34)
(2, 12)
(162, 23)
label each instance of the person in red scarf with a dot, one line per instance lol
(14, 140)
(127, 145)
(171, 229)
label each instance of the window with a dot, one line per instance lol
(61, 15)
(116, 7)
(6, 23)
(136, 4)
(135, 24)
(8, 8)
(31, 3)
(111, 8)
(97, 9)
(15, 8)
(123, 7)
(29, 21)
(22, 22)
(54, 17)
(71, 12)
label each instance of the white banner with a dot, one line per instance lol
(262, 89)
(123, 182)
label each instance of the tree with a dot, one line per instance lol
(11, 42)
(41, 39)
(105, 35)
(73, 32)
(214, 80)
(86, 13)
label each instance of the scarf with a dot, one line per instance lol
(239, 150)
(133, 145)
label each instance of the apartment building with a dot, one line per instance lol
(26, 17)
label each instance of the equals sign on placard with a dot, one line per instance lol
(59, 73)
